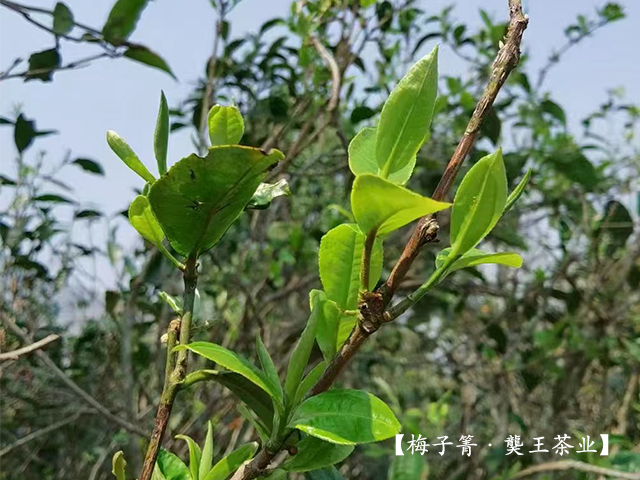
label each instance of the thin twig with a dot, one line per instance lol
(575, 465)
(73, 386)
(15, 354)
(40, 433)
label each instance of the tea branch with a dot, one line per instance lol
(16, 354)
(372, 304)
(178, 332)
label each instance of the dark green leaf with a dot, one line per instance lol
(122, 20)
(328, 323)
(330, 473)
(475, 257)
(314, 453)
(148, 57)
(42, 65)
(269, 368)
(25, 132)
(88, 214)
(555, 110)
(198, 199)
(62, 19)
(361, 113)
(52, 198)
(89, 165)
(346, 417)
(309, 381)
(161, 135)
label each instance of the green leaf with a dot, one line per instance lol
(171, 467)
(62, 19)
(255, 397)
(330, 473)
(122, 20)
(314, 453)
(119, 465)
(406, 116)
(232, 462)
(206, 457)
(198, 199)
(52, 198)
(328, 323)
(43, 64)
(381, 206)
(555, 110)
(408, 467)
(362, 157)
(476, 257)
(232, 361)
(340, 263)
(309, 381)
(89, 165)
(161, 136)
(271, 374)
(142, 54)
(88, 214)
(25, 132)
(300, 356)
(266, 193)
(346, 417)
(517, 192)
(479, 203)
(226, 125)
(195, 454)
(144, 222)
(128, 156)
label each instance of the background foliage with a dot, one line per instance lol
(551, 348)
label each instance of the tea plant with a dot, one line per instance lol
(192, 205)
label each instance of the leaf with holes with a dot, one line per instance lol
(198, 199)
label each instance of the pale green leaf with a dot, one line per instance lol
(479, 203)
(476, 257)
(119, 465)
(314, 453)
(195, 454)
(406, 116)
(206, 457)
(232, 462)
(144, 222)
(346, 417)
(267, 192)
(199, 198)
(128, 156)
(362, 157)
(517, 192)
(171, 467)
(340, 263)
(161, 135)
(173, 302)
(226, 125)
(382, 206)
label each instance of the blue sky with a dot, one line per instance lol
(122, 95)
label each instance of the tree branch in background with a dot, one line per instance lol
(15, 354)
(73, 386)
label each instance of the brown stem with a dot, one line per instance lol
(179, 372)
(506, 60)
(372, 303)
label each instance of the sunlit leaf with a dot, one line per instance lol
(161, 135)
(122, 20)
(195, 454)
(267, 192)
(232, 462)
(171, 467)
(346, 417)
(119, 465)
(226, 125)
(144, 222)
(475, 257)
(128, 156)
